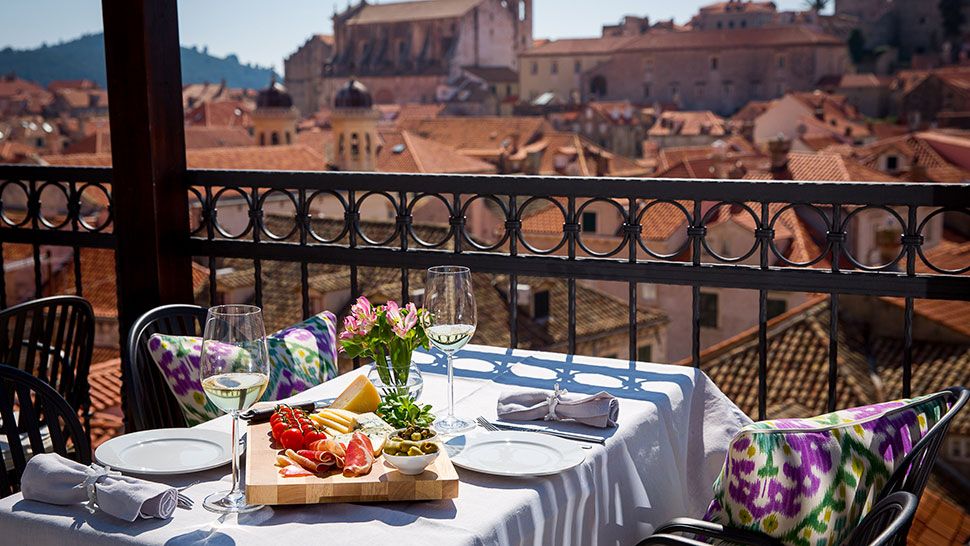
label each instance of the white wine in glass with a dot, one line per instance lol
(235, 373)
(452, 316)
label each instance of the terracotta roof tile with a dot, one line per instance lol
(223, 113)
(578, 46)
(397, 12)
(486, 136)
(953, 314)
(730, 39)
(689, 123)
(297, 157)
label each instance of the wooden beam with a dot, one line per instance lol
(150, 210)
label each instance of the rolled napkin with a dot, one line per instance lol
(53, 479)
(597, 410)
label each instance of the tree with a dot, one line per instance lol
(818, 5)
(857, 46)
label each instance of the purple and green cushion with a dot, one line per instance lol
(809, 482)
(300, 356)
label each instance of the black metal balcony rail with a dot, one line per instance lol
(56, 207)
(695, 264)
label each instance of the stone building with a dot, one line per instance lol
(304, 72)
(914, 27)
(556, 67)
(737, 14)
(718, 70)
(405, 51)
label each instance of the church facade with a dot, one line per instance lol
(408, 51)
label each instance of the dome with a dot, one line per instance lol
(274, 96)
(353, 95)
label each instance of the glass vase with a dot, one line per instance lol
(387, 380)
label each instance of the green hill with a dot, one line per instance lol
(83, 58)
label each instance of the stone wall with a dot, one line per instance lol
(714, 79)
(303, 73)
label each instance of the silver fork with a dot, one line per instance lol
(485, 424)
(488, 425)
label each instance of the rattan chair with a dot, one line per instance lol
(909, 477)
(52, 338)
(34, 419)
(148, 402)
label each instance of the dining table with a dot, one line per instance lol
(659, 462)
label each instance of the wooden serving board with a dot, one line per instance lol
(264, 485)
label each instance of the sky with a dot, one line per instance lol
(264, 32)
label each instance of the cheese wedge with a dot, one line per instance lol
(359, 397)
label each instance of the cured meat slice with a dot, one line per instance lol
(360, 456)
(308, 464)
(328, 444)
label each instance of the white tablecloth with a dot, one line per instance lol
(659, 463)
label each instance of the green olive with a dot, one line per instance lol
(429, 448)
(414, 451)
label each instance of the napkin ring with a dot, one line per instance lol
(553, 401)
(95, 473)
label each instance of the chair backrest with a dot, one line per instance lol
(148, 402)
(887, 523)
(35, 419)
(52, 338)
(914, 470)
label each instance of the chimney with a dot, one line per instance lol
(778, 149)
(747, 130)
(918, 173)
(602, 165)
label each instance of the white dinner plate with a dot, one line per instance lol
(166, 451)
(518, 454)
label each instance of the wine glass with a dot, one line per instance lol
(235, 372)
(452, 317)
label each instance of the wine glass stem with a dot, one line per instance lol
(451, 385)
(236, 482)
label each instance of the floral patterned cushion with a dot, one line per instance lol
(808, 482)
(300, 356)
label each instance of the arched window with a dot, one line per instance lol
(262, 139)
(340, 145)
(597, 86)
(289, 140)
(274, 139)
(354, 146)
(367, 143)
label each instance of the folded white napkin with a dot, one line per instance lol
(597, 410)
(53, 479)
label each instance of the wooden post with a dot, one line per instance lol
(151, 223)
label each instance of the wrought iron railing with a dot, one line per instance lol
(510, 199)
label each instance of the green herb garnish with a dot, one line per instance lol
(401, 411)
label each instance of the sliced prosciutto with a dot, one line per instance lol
(359, 457)
(328, 444)
(323, 458)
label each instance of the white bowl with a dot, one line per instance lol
(411, 465)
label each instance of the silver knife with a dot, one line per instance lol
(552, 432)
(263, 415)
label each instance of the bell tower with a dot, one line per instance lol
(354, 123)
(521, 11)
(275, 118)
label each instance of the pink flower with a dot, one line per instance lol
(402, 322)
(364, 314)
